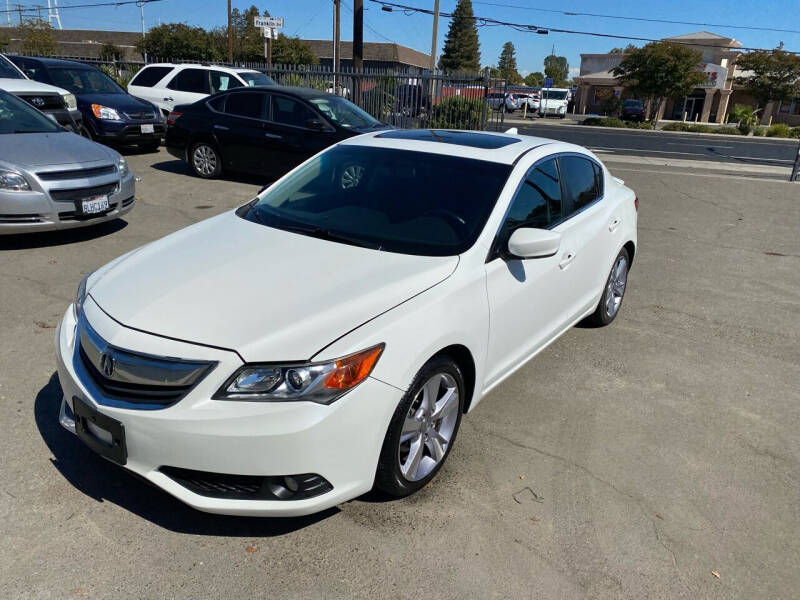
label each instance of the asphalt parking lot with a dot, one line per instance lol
(656, 458)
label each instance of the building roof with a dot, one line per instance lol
(605, 76)
(705, 37)
(377, 51)
(85, 43)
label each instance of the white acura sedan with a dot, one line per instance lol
(327, 337)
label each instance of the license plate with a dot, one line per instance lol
(101, 433)
(94, 205)
(148, 129)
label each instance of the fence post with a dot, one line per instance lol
(485, 98)
(796, 168)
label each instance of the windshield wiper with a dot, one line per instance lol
(327, 234)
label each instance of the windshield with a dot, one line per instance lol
(554, 95)
(632, 103)
(8, 71)
(17, 116)
(254, 78)
(344, 113)
(392, 200)
(84, 81)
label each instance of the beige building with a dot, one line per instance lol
(708, 103)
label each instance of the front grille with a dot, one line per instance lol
(30, 218)
(43, 101)
(249, 487)
(77, 173)
(138, 379)
(71, 195)
(142, 115)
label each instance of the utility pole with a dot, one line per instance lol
(141, 16)
(8, 12)
(230, 35)
(432, 66)
(358, 35)
(336, 48)
(19, 11)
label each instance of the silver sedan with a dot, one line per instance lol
(53, 179)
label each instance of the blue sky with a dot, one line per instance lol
(312, 19)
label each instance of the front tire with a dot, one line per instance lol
(423, 429)
(205, 161)
(613, 292)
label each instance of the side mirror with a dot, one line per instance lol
(315, 124)
(527, 242)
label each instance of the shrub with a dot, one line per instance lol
(457, 112)
(677, 126)
(758, 130)
(639, 125)
(727, 130)
(604, 122)
(121, 73)
(744, 129)
(795, 132)
(779, 130)
(744, 115)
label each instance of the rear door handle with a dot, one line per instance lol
(615, 222)
(568, 258)
(168, 99)
(272, 136)
(221, 127)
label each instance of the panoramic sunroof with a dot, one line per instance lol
(458, 138)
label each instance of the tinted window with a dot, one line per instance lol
(218, 103)
(7, 70)
(17, 117)
(223, 81)
(288, 111)
(190, 80)
(538, 201)
(245, 104)
(581, 182)
(84, 81)
(598, 174)
(394, 200)
(344, 113)
(254, 78)
(31, 68)
(149, 76)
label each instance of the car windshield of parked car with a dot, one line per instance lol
(7, 70)
(632, 104)
(554, 95)
(344, 113)
(386, 199)
(84, 81)
(254, 78)
(17, 116)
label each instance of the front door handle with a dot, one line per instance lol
(168, 99)
(566, 260)
(221, 127)
(272, 136)
(615, 222)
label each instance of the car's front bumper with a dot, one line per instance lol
(127, 133)
(340, 442)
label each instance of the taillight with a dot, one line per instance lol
(172, 117)
(636, 203)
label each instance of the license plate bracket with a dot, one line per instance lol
(87, 417)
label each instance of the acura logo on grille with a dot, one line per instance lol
(37, 101)
(107, 364)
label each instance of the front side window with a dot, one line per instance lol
(392, 200)
(288, 111)
(221, 81)
(149, 76)
(580, 181)
(246, 104)
(538, 201)
(190, 80)
(254, 78)
(344, 113)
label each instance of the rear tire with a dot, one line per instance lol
(613, 292)
(205, 160)
(423, 429)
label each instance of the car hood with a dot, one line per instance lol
(124, 102)
(268, 294)
(18, 86)
(58, 148)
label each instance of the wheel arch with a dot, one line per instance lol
(463, 358)
(631, 248)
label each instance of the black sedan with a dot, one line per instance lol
(110, 114)
(263, 130)
(633, 110)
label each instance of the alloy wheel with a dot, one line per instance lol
(615, 289)
(428, 427)
(204, 159)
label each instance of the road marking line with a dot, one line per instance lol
(703, 145)
(653, 151)
(601, 151)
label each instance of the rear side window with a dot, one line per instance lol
(580, 181)
(221, 81)
(149, 76)
(288, 111)
(246, 104)
(190, 80)
(538, 201)
(218, 103)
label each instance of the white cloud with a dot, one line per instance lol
(574, 72)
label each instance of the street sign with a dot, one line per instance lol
(269, 32)
(273, 22)
(548, 82)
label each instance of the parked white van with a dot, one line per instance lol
(554, 102)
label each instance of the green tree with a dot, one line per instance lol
(556, 67)
(625, 50)
(174, 41)
(534, 79)
(461, 47)
(37, 38)
(660, 70)
(292, 51)
(5, 40)
(111, 52)
(773, 75)
(507, 64)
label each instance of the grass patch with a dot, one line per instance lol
(779, 130)
(615, 122)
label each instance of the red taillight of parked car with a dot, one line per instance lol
(173, 116)
(636, 203)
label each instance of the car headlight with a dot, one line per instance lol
(104, 112)
(11, 181)
(80, 296)
(122, 166)
(70, 101)
(322, 383)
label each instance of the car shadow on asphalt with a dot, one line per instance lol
(178, 167)
(43, 239)
(103, 481)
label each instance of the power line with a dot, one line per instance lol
(119, 3)
(544, 29)
(570, 13)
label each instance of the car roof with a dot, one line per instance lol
(306, 93)
(57, 62)
(202, 66)
(467, 144)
